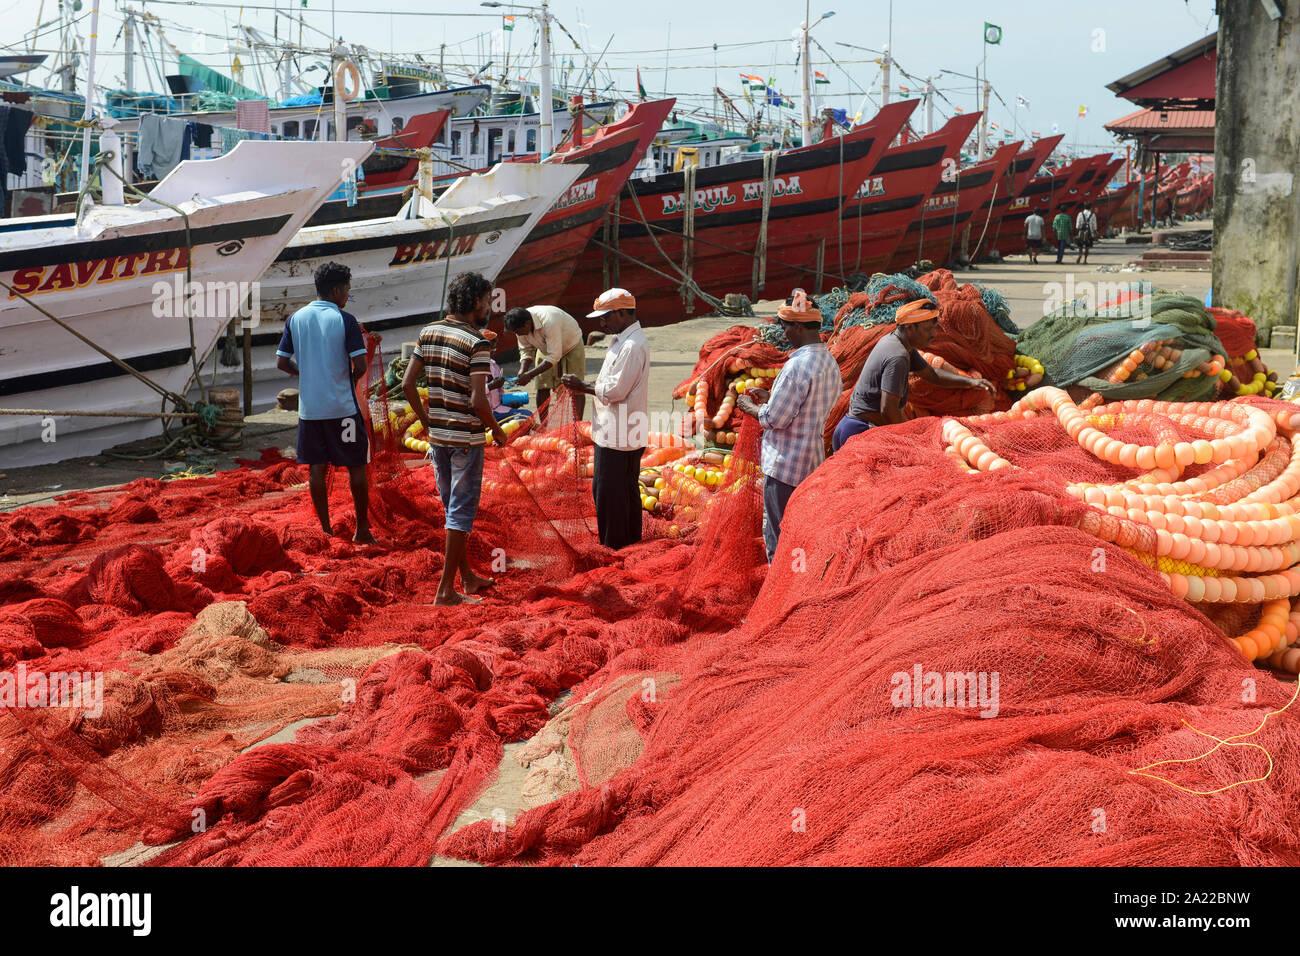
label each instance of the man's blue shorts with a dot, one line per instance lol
(459, 472)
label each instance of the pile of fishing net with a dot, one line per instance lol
(968, 341)
(272, 695)
(1151, 345)
(876, 304)
(952, 663)
(1246, 373)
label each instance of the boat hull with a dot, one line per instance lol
(118, 278)
(401, 267)
(1045, 195)
(539, 272)
(936, 235)
(643, 241)
(1023, 170)
(873, 223)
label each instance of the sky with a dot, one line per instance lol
(1054, 55)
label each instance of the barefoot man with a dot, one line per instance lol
(323, 346)
(455, 362)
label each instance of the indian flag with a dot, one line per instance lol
(747, 79)
(819, 77)
(507, 22)
(994, 126)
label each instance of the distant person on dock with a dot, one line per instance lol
(880, 395)
(550, 347)
(1085, 231)
(621, 424)
(455, 362)
(324, 347)
(1061, 226)
(1034, 225)
(793, 415)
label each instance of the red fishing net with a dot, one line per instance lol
(274, 696)
(218, 615)
(828, 727)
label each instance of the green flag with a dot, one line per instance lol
(992, 33)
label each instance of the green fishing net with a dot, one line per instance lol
(1076, 345)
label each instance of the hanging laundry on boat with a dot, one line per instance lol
(161, 146)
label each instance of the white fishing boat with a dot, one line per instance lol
(316, 120)
(401, 265)
(116, 274)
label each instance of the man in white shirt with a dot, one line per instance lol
(1085, 228)
(621, 422)
(1034, 224)
(550, 346)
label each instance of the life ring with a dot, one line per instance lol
(347, 81)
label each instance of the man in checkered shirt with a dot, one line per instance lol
(794, 415)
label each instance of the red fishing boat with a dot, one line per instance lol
(872, 224)
(1171, 180)
(387, 169)
(1022, 171)
(1045, 195)
(755, 225)
(541, 268)
(936, 234)
(1103, 179)
(1109, 207)
(1191, 199)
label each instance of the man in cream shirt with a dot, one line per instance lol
(550, 346)
(622, 422)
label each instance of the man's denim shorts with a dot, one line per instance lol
(460, 478)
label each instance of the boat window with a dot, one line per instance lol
(309, 129)
(329, 131)
(354, 122)
(532, 141)
(473, 141)
(290, 129)
(397, 125)
(455, 142)
(510, 141)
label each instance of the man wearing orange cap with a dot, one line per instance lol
(794, 415)
(880, 395)
(621, 422)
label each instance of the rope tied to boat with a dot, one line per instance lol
(688, 234)
(688, 281)
(759, 274)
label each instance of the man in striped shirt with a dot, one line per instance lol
(794, 415)
(455, 361)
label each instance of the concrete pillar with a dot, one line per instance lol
(1256, 166)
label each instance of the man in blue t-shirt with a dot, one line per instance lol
(323, 346)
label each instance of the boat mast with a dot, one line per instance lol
(884, 77)
(89, 113)
(805, 83)
(340, 107)
(547, 123)
(128, 48)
